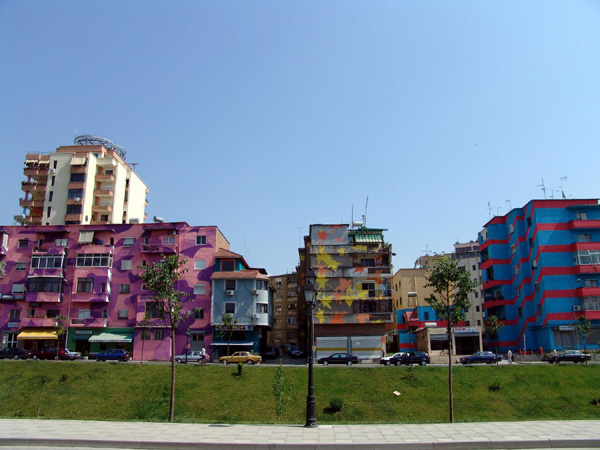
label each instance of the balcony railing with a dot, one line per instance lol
(92, 323)
(159, 248)
(580, 224)
(38, 322)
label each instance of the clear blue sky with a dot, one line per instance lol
(262, 117)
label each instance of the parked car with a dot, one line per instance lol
(73, 355)
(386, 360)
(14, 353)
(243, 357)
(339, 358)
(412, 357)
(49, 353)
(481, 357)
(115, 354)
(574, 356)
(297, 352)
(189, 356)
(271, 353)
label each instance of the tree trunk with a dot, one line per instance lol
(172, 403)
(450, 353)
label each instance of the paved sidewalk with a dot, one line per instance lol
(143, 435)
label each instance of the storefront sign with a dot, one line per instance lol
(13, 324)
(238, 328)
(430, 324)
(465, 330)
(565, 328)
(86, 332)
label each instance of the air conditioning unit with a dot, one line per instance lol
(77, 199)
(534, 263)
(230, 293)
(52, 170)
(255, 316)
(576, 308)
(254, 291)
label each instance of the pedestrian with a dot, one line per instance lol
(203, 356)
(509, 356)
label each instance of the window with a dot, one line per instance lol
(426, 315)
(199, 264)
(77, 178)
(60, 242)
(105, 313)
(537, 287)
(529, 221)
(511, 228)
(477, 308)
(292, 320)
(94, 260)
(586, 257)
(44, 284)
(152, 310)
(291, 306)
(230, 285)
(124, 289)
(278, 309)
(20, 266)
(74, 193)
(479, 323)
(262, 308)
(53, 180)
(200, 240)
(30, 313)
(278, 335)
(46, 261)
(23, 243)
(104, 218)
(367, 262)
(473, 267)
(198, 314)
(159, 335)
(84, 313)
(467, 323)
(227, 266)
(126, 264)
(73, 209)
(50, 196)
(128, 242)
(15, 314)
(476, 294)
(513, 249)
(123, 313)
(520, 310)
(581, 216)
(277, 295)
(584, 238)
(168, 240)
(85, 284)
(146, 335)
(591, 283)
(229, 307)
(199, 289)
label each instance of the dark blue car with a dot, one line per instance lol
(115, 354)
(480, 358)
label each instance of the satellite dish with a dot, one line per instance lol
(158, 219)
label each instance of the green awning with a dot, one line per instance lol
(112, 337)
(368, 238)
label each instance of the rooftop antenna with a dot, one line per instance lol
(299, 236)
(491, 209)
(365, 215)
(563, 178)
(543, 186)
(509, 205)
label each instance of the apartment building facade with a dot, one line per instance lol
(350, 269)
(243, 293)
(87, 183)
(90, 274)
(285, 331)
(540, 269)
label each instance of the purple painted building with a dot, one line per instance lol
(90, 275)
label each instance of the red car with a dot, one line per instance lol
(49, 353)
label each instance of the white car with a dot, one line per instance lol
(192, 356)
(73, 355)
(386, 359)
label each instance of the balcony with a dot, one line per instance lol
(106, 209)
(37, 322)
(358, 318)
(104, 193)
(106, 178)
(76, 185)
(91, 323)
(33, 219)
(43, 297)
(587, 291)
(32, 186)
(154, 323)
(79, 169)
(106, 162)
(75, 201)
(584, 224)
(36, 173)
(30, 203)
(159, 248)
(89, 297)
(73, 217)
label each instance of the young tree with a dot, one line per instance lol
(162, 278)
(451, 286)
(60, 329)
(583, 327)
(493, 327)
(281, 391)
(227, 328)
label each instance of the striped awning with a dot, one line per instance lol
(112, 337)
(37, 333)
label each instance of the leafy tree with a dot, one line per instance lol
(583, 327)
(451, 286)
(162, 279)
(281, 390)
(2, 269)
(493, 327)
(227, 328)
(60, 328)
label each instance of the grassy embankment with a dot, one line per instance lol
(215, 394)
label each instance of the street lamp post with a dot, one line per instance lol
(68, 314)
(310, 297)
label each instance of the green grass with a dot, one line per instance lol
(215, 394)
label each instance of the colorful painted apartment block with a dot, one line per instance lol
(90, 275)
(541, 271)
(351, 272)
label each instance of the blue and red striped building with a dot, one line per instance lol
(541, 271)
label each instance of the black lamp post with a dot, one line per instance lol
(310, 297)
(187, 345)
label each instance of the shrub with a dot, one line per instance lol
(240, 369)
(336, 404)
(495, 386)
(596, 400)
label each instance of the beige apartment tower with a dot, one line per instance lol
(86, 183)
